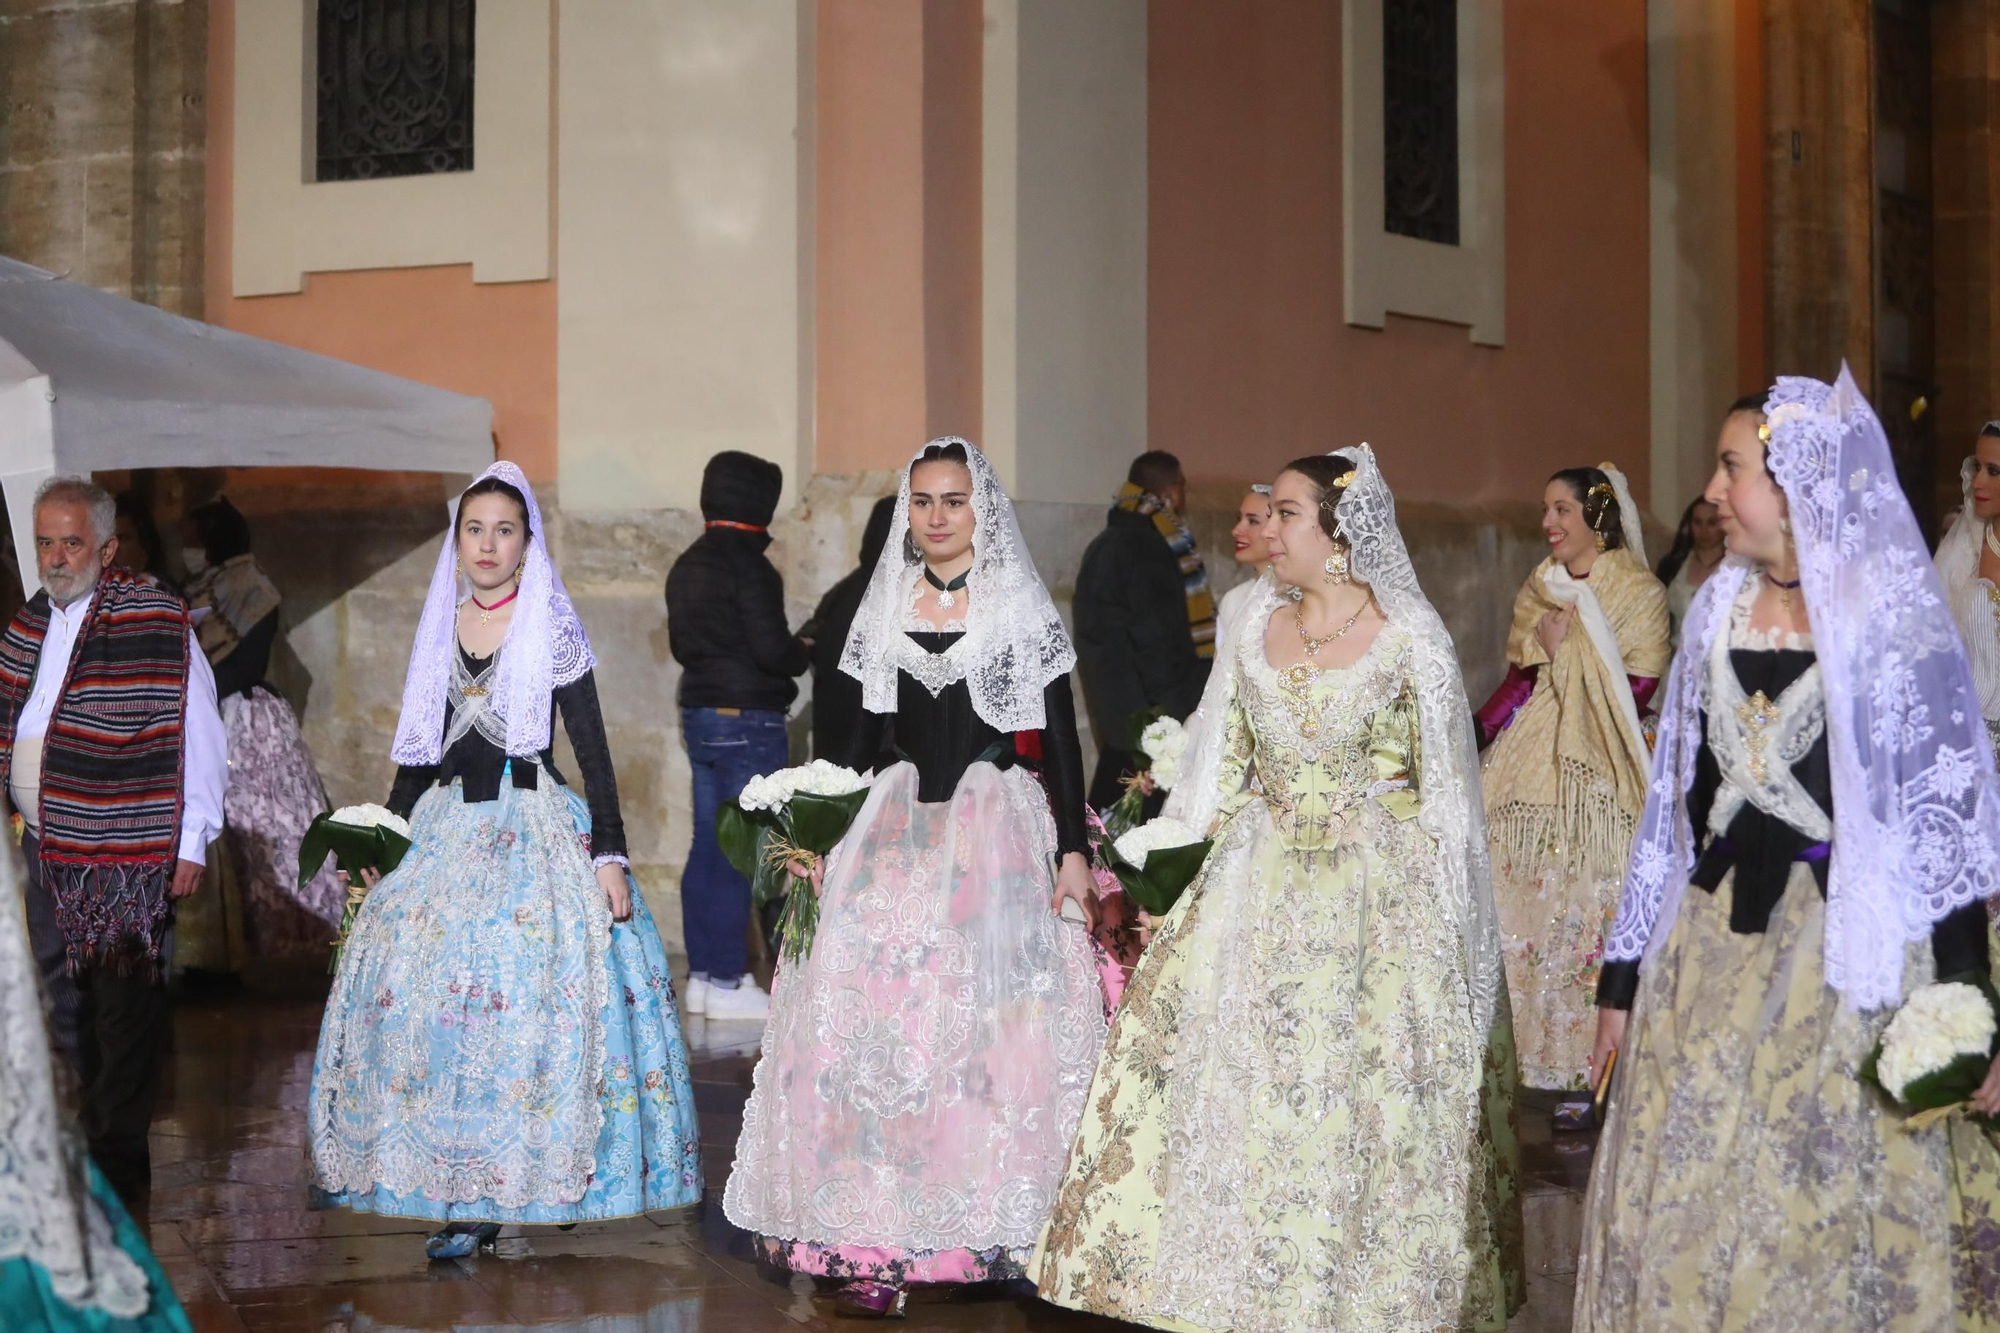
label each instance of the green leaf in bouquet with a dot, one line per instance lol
(1948, 1086)
(1167, 873)
(740, 833)
(820, 822)
(353, 847)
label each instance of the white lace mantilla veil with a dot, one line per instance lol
(1957, 563)
(47, 1214)
(1014, 642)
(1916, 813)
(1628, 514)
(1453, 810)
(544, 650)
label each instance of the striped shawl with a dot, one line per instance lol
(111, 764)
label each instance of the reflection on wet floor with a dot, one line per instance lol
(229, 1222)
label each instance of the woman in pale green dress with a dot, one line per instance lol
(1304, 1115)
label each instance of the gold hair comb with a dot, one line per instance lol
(1764, 431)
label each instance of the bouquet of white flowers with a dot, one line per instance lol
(1158, 743)
(1937, 1050)
(358, 837)
(1156, 861)
(796, 815)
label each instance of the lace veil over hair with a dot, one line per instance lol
(1453, 811)
(1014, 642)
(1957, 562)
(1916, 813)
(1628, 514)
(545, 648)
(46, 1211)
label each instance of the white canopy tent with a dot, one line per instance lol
(90, 381)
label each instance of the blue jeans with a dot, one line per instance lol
(725, 752)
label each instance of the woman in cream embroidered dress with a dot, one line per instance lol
(1816, 844)
(1566, 769)
(1968, 564)
(1303, 1117)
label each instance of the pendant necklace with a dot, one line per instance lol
(1312, 645)
(1785, 591)
(945, 600)
(486, 612)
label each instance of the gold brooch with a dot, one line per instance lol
(1757, 713)
(473, 691)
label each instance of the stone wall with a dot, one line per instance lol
(354, 552)
(102, 143)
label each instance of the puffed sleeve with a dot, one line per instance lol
(584, 721)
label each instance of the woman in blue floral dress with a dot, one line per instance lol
(502, 1044)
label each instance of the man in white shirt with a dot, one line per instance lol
(116, 761)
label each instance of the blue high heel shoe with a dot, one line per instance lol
(452, 1245)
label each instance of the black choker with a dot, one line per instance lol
(945, 600)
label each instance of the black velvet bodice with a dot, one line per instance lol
(478, 763)
(1762, 848)
(942, 735)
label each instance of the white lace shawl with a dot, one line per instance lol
(1958, 569)
(546, 647)
(1195, 798)
(47, 1214)
(1916, 810)
(1453, 811)
(1014, 642)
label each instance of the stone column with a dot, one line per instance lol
(1820, 187)
(102, 143)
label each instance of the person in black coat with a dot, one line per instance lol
(1140, 638)
(836, 695)
(739, 660)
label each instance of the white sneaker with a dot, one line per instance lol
(748, 1002)
(695, 998)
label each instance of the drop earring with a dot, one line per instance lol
(1336, 567)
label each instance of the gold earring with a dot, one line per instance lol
(1336, 567)
(460, 561)
(1601, 540)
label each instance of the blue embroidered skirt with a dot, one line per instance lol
(496, 1048)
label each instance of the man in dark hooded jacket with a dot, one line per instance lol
(726, 625)
(836, 703)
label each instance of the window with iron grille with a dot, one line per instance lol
(395, 88)
(1420, 119)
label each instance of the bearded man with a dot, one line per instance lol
(115, 757)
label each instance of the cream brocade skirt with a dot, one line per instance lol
(1747, 1179)
(1294, 1124)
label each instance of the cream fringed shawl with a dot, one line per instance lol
(1568, 774)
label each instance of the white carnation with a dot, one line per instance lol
(1136, 844)
(371, 816)
(820, 778)
(1164, 742)
(1936, 1025)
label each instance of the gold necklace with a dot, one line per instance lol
(1312, 645)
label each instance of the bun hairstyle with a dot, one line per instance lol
(1330, 474)
(1592, 489)
(495, 486)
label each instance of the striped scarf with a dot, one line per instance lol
(1194, 575)
(111, 764)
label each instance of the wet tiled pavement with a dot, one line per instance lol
(229, 1222)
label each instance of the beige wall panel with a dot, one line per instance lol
(678, 235)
